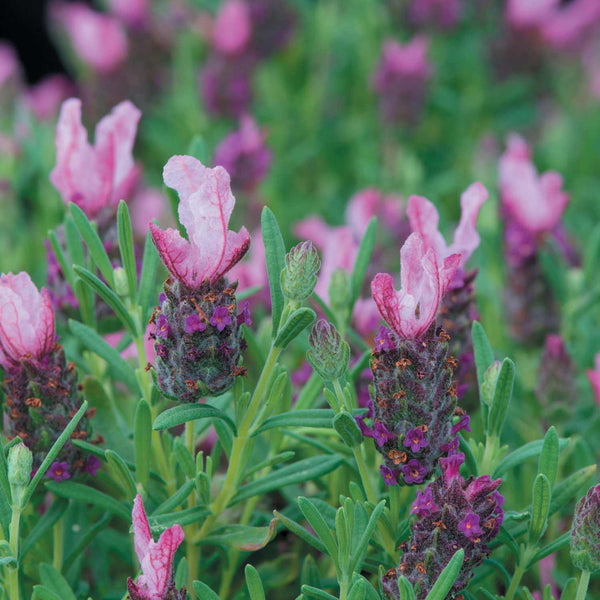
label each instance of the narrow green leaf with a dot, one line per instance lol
(119, 367)
(147, 291)
(55, 582)
(317, 522)
(126, 248)
(53, 453)
(190, 412)
(570, 590)
(255, 587)
(85, 298)
(316, 594)
(50, 517)
(571, 487)
(363, 259)
(310, 417)
(529, 450)
(560, 542)
(309, 573)
(204, 592)
(275, 260)
(300, 532)
(181, 575)
(182, 457)
(92, 240)
(303, 470)
(347, 429)
(271, 462)
(121, 474)
(73, 243)
(540, 508)
(406, 589)
(108, 296)
(41, 592)
(548, 464)
(502, 397)
(297, 322)
(243, 537)
(484, 355)
(85, 540)
(63, 261)
(142, 440)
(362, 546)
(182, 517)
(87, 495)
(447, 577)
(176, 500)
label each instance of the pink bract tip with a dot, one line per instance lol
(232, 27)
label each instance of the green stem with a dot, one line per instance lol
(516, 580)
(584, 581)
(58, 545)
(489, 454)
(13, 571)
(192, 550)
(395, 503)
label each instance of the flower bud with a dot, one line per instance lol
(20, 461)
(490, 377)
(328, 353)
(121, 285)
(585, 532)
(299, 276)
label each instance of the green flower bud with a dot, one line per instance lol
(340, 291)
(328, 353)
(490, 377)
(585, 532)
(20, 461)
(299, 276)
(121, 285)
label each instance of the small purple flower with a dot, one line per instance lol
(220, 318)
(452, 447)
(382, 435)
(161, 350)
(163, 330)
(423, 503)
(383, 341)
(414, 471)
(462, 424)
(415, 440)
(244, 316)
(451, 466)
(194, 323)
(498, 498)
(470, 526)
(92, 465)
(364, 428)
(389, 477)
(161, 297)
(59, 471)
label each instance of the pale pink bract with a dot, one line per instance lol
(232, 27)
(411, 310)
(369, 203)
(95, 177)
(205, 207)
(26, 320)
(156, 558)
(536, 202)
(424, 219)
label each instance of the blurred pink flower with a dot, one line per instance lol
(252, 271)
(44, 98)
(411, 310)
(95, 177)
(424, 219)
(134, 13)
(366, 317)
(9, 63)
(244, 155)
(98, 39)
(536, 202)
(205, 207)
(156, 558)
(443, 12)
(147, 205)
(593, 376)
(525, 14)
(26, 319)
(232, 27)
(569, 24)
(369, 203)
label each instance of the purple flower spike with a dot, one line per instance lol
(220, 318)
(161, 297)
(163, 330)
(423, 504)
(462, 424)
(92, 465)
(389, 477)
(415, 440)
(470, 526)
(452, 447)
(414, 471)
(364, 428)
(193, 323)
(244, 316)
(382, 435)
(161, 350)
(383, 340)
(59, 471)
(451, 466)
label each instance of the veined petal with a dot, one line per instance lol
(466, 238)
(386, 298)
(424, 219)
(141, 530)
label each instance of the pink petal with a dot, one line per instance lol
(314, 229)
(157, 566)
(384, 294)
(141, 529)
(466, 238)
(424, 219)
(178, 255)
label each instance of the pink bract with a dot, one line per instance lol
(95, 177)
(424, 219)
(134, 13)
(156, 558)
(205, 207)
(98, 39)
(232, 27)
(411, 310)
(26, 320)
(408, 59)
(536, 202)
(44, 98)
(369, 203)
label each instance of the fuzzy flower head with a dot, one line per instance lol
(95, 177)
(424, 219)
(205, 207)
(585, 531)
(411, 310)
(26, 320)
(536, 202)
(156, 559)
